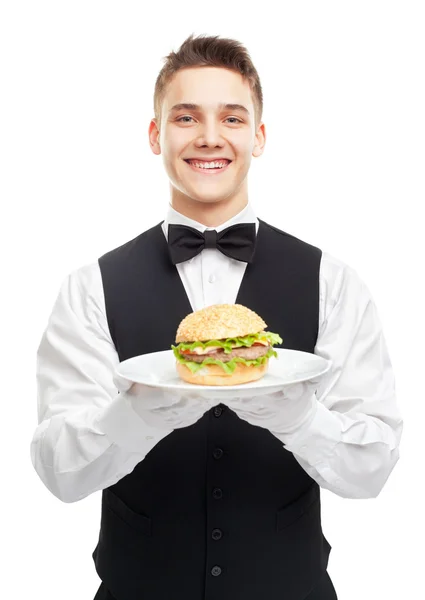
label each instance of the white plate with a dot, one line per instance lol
(158, 369)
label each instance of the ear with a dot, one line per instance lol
(260, 140)
(154, 137)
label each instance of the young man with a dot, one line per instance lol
(215, 500)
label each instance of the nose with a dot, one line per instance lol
(209, 134)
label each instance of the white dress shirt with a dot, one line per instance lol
(88, 438)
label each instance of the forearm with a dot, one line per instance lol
(80, 452)
(350, 454)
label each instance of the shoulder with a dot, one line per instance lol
(134, 245)
(83, 288)
(281, 235)
(338, 279)
(335, 274)
(86, 282)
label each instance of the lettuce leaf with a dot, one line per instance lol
(247, 340)
(228, 367)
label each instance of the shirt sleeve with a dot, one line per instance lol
(352, 444)
(88, 436)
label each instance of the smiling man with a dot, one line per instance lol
(212, 499)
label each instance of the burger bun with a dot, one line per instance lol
(219, 321)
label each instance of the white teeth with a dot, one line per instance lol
(209, 165)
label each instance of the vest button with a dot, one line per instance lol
(217, 493)
(216, 571)
(217, 534)
(218, 453)
(217, 411)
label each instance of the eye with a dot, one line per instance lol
(187, 117)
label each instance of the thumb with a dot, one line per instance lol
(122, 384)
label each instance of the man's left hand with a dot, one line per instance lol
(280, 412)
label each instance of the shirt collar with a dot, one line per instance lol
(246, 215)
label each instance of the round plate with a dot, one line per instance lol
(158, 369)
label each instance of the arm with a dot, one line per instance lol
(351, 445)
(88, 436)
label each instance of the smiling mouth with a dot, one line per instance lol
(208, 170)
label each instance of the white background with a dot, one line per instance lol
(343, 169)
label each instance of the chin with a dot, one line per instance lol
(211, 196)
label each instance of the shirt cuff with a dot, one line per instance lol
(315, 440)
(124, 427)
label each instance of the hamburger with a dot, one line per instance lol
(223, 344)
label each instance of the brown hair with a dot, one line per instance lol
(210, 51)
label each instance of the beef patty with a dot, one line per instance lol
(244, 352)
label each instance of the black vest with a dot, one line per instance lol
(219, 510)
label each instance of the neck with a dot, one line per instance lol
(210, 214)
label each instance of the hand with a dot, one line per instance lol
(162, 408)
(283, 411)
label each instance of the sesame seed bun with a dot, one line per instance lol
(215, 375)
(219, 321)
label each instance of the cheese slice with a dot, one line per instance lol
(199, 350)
(262, 342)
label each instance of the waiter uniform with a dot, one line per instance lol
(221, 509)
(218, 510)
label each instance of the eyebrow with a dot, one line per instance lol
(222, 105)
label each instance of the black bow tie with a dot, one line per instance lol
(236, 241)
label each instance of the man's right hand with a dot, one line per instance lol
(166, 409)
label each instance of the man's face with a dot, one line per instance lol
(208, 132)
